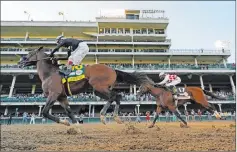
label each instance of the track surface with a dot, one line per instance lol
(200, 136)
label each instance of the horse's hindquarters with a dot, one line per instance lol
(99, 74)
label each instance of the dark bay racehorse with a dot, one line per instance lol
(164, 98)
(101, 77)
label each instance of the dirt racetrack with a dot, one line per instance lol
(200, 136)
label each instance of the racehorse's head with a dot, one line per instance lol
(31, 58)
(144, 88)
(145, 84)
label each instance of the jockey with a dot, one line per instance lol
(170, 81)
(78, 50)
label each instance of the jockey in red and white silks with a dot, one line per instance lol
(169, 79)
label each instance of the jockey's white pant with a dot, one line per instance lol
(173, 83)
(78, 55)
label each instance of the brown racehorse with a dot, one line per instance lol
(164, 98)
(101, 77)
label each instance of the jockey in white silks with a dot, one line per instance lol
(170, 81)
(77, 53)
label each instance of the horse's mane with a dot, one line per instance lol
(42, 51)
(142, 78)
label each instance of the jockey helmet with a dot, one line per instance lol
(58, 39)
(162, 74)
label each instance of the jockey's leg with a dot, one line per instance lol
(171, 87)
(174, 92)
(174, 83)
(79, 54)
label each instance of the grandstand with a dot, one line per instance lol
(131, 42)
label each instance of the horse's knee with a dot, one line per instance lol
(45, 113)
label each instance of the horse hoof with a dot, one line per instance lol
(77, 127)
(102, 119)
(65, 122)
(151, 126)
(117, 119)
(183, 125)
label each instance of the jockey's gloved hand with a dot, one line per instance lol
(51, 55)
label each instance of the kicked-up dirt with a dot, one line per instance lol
(199, 136)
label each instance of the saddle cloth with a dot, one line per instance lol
(182, 93)
(77, 74)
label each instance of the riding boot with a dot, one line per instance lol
(174, 89)
(170, 88)
(175, 95)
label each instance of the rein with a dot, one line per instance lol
(47, 59)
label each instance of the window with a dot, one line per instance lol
(134, 31)
(130, 16)
(156, 31)
(107, 30)
(127, 31)
(113, 31)
(136, 17)
(120, 30)
(150, 31)
(138, 31)
(144, 31)
(159, 31)
(101, 31)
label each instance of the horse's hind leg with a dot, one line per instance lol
(105, 94)
(64, 103)
(116, 109)
(173, 109)
(211, 108)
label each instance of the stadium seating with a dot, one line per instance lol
(150, 66)
(85, 97)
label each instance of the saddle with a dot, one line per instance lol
(76, 73)
(181, 92)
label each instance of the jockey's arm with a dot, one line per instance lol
(57, 47)
(166, 79)
(69, 52)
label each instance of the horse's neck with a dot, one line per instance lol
(156, 91)
(45, 69)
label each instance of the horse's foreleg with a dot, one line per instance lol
(64, 103)
(158, 111)
(49, 104)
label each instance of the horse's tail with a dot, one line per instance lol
(213, 95)
(130, 78)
